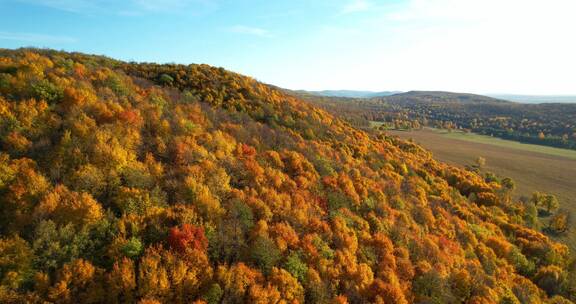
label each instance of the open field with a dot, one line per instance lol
(508, 143)
(534, 168)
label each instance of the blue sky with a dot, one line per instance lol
(480, 46)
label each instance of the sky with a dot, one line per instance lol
(476, 46)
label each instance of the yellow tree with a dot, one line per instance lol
(65, 206)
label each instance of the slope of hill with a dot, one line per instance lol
(533, 168)
(124, 183)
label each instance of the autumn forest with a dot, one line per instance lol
(145, 183)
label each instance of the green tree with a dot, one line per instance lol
(214, 294)
(15, 262)
(296, 267)
(551, 203)
(54, 246)
(46, 90)
(165, 79)
(537, 198)
(133, 248)
(508, 184)
(508, 187)
(531, 216)
(264, 254)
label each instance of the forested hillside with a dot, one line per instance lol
(145, 183)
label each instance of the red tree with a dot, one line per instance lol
(189, 236)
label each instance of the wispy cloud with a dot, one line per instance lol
(249, 30)
(128, 7)
(174, 5)
(36, 38)
(356, 6)
(75, 6)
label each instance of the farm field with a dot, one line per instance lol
(533, 167)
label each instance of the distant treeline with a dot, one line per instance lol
(543, 124)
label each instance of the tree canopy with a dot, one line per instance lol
(144, 183)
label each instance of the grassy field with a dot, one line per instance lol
(507, 143)
(533, 167)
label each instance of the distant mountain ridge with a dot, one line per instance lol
(351, 93)
(441, 96)
(529, 99)
(550, 124)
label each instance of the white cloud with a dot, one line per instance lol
(484, 10)
(35, 38)
(478, 46)
(488, 45)
(356, 6)
(249, 30)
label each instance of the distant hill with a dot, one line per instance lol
(460, 97)
(352, 93)
(548, 123)
(440, 96)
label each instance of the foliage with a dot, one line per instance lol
(264, 254)
(133, 248)
(144, 183)
(189, 237)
